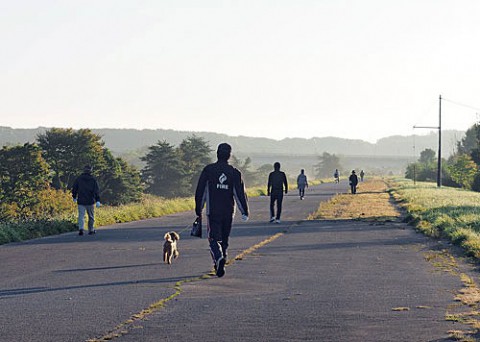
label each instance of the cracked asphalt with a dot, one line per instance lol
(316, 281)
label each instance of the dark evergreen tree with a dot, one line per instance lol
(23, 174)
(67, 151)
(195, 154)
(164, 174)
(120, 182)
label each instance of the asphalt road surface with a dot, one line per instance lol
(295, 281)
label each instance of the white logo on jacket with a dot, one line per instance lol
(222, 179)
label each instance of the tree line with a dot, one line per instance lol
(35, 178)
(459, 170)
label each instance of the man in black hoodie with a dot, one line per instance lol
(277, 183)
(85, 193)
(219, 186)
(353, 180)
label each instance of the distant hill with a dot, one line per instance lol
(122, 141)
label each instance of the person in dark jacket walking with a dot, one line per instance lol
(85, 193)
(277, 184)
(220, 186)
(302, 183)
(353, 180)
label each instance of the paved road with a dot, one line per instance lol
(315, 281)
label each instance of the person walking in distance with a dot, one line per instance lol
(220, 186)
(277, 183)
(362, 174)
(302, 183)
(85, 193)
(336, 176)
(353, 180)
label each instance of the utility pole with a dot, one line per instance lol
(439, 163)
(439, 167)
(414, 163)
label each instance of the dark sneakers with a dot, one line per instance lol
(90, 232)
(220, 269)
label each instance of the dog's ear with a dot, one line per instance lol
(175, 236)
(167, 236)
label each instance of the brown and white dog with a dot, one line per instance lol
(170, 249)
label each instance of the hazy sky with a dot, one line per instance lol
(354, 69)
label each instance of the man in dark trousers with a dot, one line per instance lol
(353, 180)
(277, 183)
(85, 193)
(219, 186)
(302, 183)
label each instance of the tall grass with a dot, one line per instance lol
(65, 221)
(442, 212)
(20, 231)
(150, 206)
(63, 217)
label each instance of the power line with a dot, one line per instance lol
(461, 104)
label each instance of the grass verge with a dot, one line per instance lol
(372, 202)
(442, 212)
(21, 231)
(149, 207)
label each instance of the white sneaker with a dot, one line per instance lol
(272, 219)
(278, 221)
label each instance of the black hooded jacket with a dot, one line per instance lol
(220, 184)
(86, 190)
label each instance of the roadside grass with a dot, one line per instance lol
(149, 207)
(442, 212)
(371, 202)
(20, 231)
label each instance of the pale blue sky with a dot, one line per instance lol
(354, 69)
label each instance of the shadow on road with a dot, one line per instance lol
(106, 268)
(35, 290)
